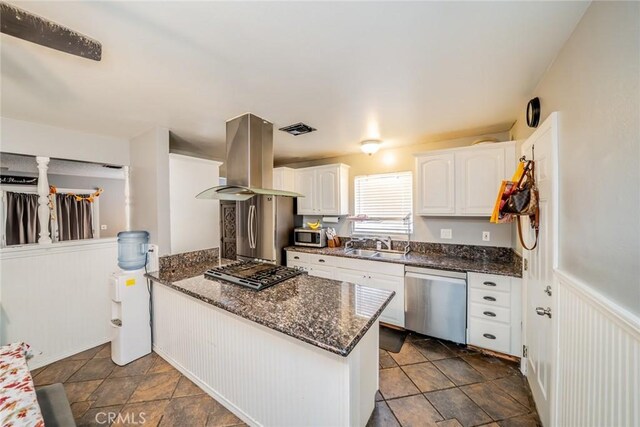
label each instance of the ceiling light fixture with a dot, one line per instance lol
(370, 146)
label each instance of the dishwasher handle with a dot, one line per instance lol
(452, 280)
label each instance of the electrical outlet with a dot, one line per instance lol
(445, 233)
(103, 227)
(486, 236)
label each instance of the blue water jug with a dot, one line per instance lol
(132, 249)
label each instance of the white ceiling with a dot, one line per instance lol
(412, 70)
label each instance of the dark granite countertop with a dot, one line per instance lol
(324, 313)
(509, 265)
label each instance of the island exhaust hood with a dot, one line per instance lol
(249, 161)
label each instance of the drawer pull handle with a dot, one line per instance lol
(489, 283)
(320, 260)
(489, 298)
(489, 313)
(491, 337)
(296, 257)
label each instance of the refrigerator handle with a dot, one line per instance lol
(249, 222)
(252, 232)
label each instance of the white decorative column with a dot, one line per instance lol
(127, 197)
(43, 200)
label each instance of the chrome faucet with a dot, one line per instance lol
(385, 241)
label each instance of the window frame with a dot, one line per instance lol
(407, 217)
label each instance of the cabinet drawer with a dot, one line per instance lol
(297, 257)
(490, 313)
(326, 272)
(490, 282)
(297, 264)
(490, 298)
(321, 259)
(388, 268)
(490, 335)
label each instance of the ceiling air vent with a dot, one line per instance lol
(297, 129)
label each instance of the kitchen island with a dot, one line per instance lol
(302, 352)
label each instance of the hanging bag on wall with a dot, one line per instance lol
(524, 201)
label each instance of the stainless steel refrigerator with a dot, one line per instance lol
(264, 227)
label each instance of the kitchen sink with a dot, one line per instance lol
(362, 252)
(375, 254)
(389, 255)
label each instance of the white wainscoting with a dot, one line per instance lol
(263, 376)
(56, 297)
(598, 359)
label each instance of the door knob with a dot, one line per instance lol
(543, 311)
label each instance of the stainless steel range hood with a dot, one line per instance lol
(249, 161)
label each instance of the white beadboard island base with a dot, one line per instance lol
(264, 377)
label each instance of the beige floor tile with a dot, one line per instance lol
(161, 366)
(58, 372)
(93, 369)
(386, 361)
(427, 377)
(491, 367)
(432, 349)
(114, 391)
(459, 371)
(395, 383)
(530, 420)
(137, 367)
(495, 402)
(187, 388)
(449, 423)
(516, 386)
(147, 414)
(99, 417)
(414, 411)
(80, 391)
(155, 387)
(407, 355)
(453, 403)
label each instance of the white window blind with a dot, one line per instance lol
(384, 196)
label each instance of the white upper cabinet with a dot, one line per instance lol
(463, 181)
(436, 184)
(284, 179)
(478, 177)
(326, 190)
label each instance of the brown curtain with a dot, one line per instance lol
(22, 218)
(74, 218)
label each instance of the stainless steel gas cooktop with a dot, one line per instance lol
(252, 274)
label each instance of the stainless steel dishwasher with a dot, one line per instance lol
(436, 303)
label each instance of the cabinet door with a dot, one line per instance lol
(351, 276)
(394, 313)
(305, 185)
(328, 188)
(324, 271)
(278, 179)
(435, 185)
(478, 177)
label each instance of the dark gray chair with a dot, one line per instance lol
(54, 406)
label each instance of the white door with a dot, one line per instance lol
(305, 185)
(435, 185)
(328, 187)
(479, 172)
(538, 276)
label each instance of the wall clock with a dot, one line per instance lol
(533, 112)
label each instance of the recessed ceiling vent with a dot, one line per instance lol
(297, 129)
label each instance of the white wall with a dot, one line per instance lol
(594, 84)
(21, 137)
(195, 223)
(466, 231)
(56, 297)
(149, 185)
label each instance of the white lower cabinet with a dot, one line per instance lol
(494, 313)
(373, 274)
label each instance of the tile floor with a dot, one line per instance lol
(97, 387)
(428, 383)
(438, 383)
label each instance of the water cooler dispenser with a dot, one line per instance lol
(130, 297)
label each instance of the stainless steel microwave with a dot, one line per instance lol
(308, 237)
